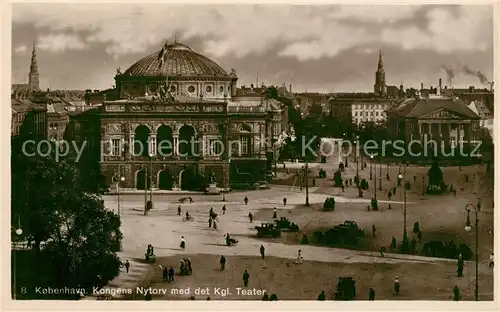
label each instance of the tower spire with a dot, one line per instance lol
(380, 62)
(34, 79)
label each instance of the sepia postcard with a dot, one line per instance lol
(240, 152)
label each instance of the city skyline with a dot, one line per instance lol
(79, 53)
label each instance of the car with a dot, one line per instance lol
(262, 185)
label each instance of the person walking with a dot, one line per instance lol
(246, 276)
(265, 297)
(382, 250)
(371, 294)
(183, 243)
(460, 266)
(373, 230)
(284, 201)
(171, 274)
(246, 200)
(127, 265)
(224, 209)
(209, 222)
(275, 213)
(250, 217)
(262, 251)
(222, 263)
(165, 274)
(396, 286)
(322, 296)
(456, 293)
(179, 210)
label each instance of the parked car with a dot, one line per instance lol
(262, 185)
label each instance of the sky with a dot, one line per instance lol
(318, 48)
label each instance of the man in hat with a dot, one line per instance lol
(171, 274)
(189, 267)
(179, 210)
(165, 274)
(460, 266)
(456, 293)
(262, 251)
(246, 276)
(275, 213)
(284, 201)
(224, 209)
(250, 217)
(127, 265)
(373, 230)
(246, 200)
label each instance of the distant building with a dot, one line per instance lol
(482, 111)
(380, 88)
(29, 120)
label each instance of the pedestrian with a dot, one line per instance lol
(189, 267)
(222, 263)
(456, 293)
(183, 243)
(350, 181)
(273, 297)
(414, 178)
(171, 274)
(393, 243)
(396, 286)
(246, 200)
(211, 212)
(127, 265)
(265, 297)
(479, 206)
(224, 209)
(382, 250)
(209, 222)
(215, 225)
(299, 257)
(275, 213)
(343, 189)
(389, 195)
(373, 230)
(460, 266)
(250, 217)
(179, 210)
(284, 201)
(165, 274)
(394, 191)
(262, 251)
(246, 276)
(322, 296)
(492, 259)
(371, 294)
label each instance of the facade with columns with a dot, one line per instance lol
(448, 121)
(178, 125)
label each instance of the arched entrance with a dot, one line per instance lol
(186, 137)
(141, 180)
(141, 139)
(189, 181)
(164, 141)
(165, 180)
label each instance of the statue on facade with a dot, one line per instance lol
(118, 70)
(164, 92)
(212, 177)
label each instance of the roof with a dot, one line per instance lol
(415, 108)
(179, 60)
(480, 109)
(25, 105)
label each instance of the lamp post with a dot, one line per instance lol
(18, 232)
(423, 186)
(121, 179)
(371, 159)
(342, 148)
(307, 184)
(151, 180)
(357, 158)
(405, 234)
(468, 228)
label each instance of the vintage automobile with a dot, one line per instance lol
(262, 185)
(284, 224)
(267, 230)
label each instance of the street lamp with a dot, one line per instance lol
(18, 232)
(357, 158)
(342, 147)
(121, 179)
(151, 180)
(371, 159)
(405, 234)
(468, 228)
(307, 183)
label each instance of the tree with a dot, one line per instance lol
(80, 235)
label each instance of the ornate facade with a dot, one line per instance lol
(179, 126)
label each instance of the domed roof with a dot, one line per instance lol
(178, 60)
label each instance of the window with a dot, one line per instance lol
(172, 89)
(115, 147)
(191, 89)
(208, 89)
(213, 147)
(355, 114)
(371, 113)
(243, 145)
(221, 89)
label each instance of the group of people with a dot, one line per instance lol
(212, 217)
(168, 274)
(150, 252)
(186, 268)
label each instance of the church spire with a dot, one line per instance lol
(34, 79)
(380, 62)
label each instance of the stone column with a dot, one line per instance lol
(468, 137)
(152, 144)
(420, 131)
(176, 144)
(131, 146)
(225, 175)
(446, 135)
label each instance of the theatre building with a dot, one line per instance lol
(443, 119)
(178, 96)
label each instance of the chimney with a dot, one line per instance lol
(471, 89)
(421, 86)
(440, 86)
(290, 88)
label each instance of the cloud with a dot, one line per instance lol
(20, 49)
(306, 32)
(60, 42)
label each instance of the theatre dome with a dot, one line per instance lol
(178, 61)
